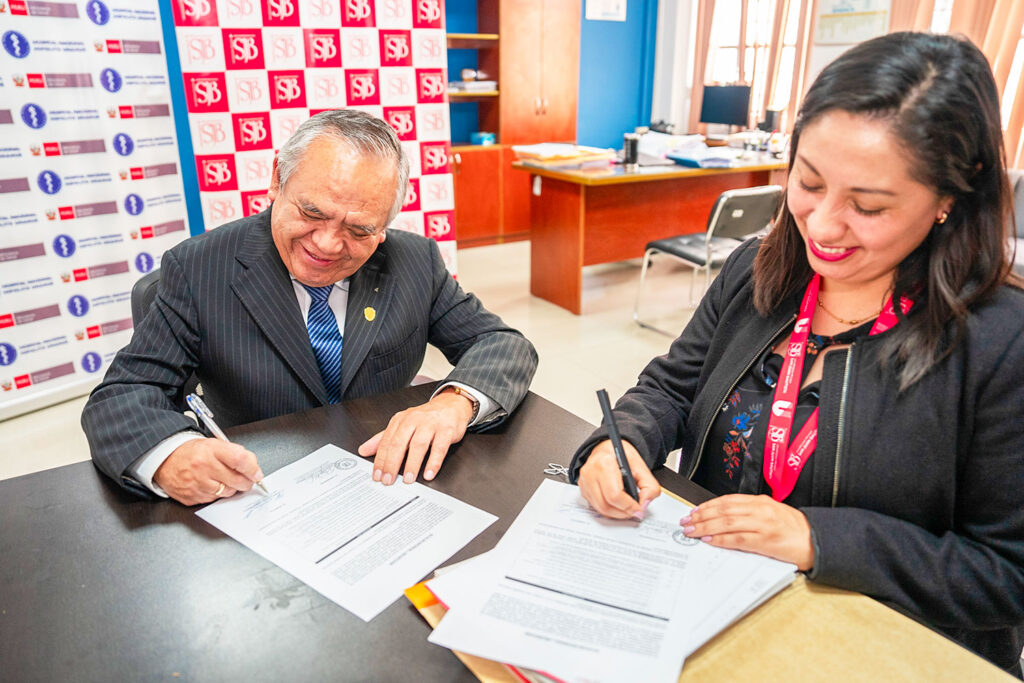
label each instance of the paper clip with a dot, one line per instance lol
(556, 470)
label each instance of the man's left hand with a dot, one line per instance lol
(757, 524)
(433, 426)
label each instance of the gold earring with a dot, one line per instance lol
(942, 217)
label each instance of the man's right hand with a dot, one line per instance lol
(601, 484)
(194, 471)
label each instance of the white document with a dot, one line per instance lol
(357, 542)
(584, 598)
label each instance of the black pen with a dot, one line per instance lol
(198, 407)
(628, 482)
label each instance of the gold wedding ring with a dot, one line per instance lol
(220, 490)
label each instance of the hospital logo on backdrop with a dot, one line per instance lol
(195, 12)
(33, 116)
(133, 204)
(123, 144)
(252, 131)
(357, 14)
(362, 87)
(206, 92)
(280, 12)
(98, 12)
(287, 89)
(216, 172)
(16, 44)
(49, 182)
(111, 80)
(395, 48)
(243, 49)
(323, 47)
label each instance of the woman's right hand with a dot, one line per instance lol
(600, 482)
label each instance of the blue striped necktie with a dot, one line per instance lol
(326, 339)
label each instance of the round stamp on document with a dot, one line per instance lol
(345, 463)
(682, 539)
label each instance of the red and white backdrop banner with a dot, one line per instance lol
(90, 189)
(253, 70)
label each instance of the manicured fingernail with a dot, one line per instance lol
(639, 516)
(376, 475)
(644, 506)
(688, 529)
(428, 475)
(706, 539)
(387, 479)
(684, 521)
(409, 478)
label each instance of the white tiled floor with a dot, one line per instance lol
(578, 354)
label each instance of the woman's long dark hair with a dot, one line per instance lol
(938, 95)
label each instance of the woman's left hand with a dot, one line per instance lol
(757, 524)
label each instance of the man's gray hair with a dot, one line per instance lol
(367, 134)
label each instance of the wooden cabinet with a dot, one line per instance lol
(536, 58)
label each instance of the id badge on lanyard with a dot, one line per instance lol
(785, 459)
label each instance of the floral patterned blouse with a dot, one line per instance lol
(734, 457)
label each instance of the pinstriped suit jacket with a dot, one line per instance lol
(226, 310)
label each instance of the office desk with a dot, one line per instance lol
(96, 585)
(585, 217)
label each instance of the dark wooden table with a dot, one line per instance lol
(98, 585)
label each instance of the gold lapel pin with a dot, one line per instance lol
(369, 313)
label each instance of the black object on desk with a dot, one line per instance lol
(628, 482)
(98, 585)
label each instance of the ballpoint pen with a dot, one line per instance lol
(206, 415)
(628, 482)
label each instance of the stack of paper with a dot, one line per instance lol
(472, 86)
(706, 157)
(661, 145)
(569, 595)
(563, 155)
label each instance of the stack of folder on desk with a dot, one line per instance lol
(563, 155)
(569, 596)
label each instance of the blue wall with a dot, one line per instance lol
(616, 74)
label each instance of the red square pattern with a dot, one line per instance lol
(358, 14)
(252, 131)
(194, 12)
(287, 89)
(428, 14)
(395, 48)
(403, 120)
(243, 48)
(435, 157)
(216, 172)
(431, 86)
(362, 87)
(412, 196)
(206, 93)
(280, 12)
(254, 202)
(439, 225)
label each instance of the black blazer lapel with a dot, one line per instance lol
(265, 289)
(369, 298)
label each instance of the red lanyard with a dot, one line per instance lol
(782, 465)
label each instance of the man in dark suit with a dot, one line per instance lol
(307, 303)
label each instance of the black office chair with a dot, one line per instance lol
(143, 294)
(736, 215)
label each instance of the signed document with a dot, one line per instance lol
(578, 597)
(353, 540)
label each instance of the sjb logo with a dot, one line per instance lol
(243, 49)
(97, 12)
(280, 13)
(286, 89)
(8, 354)
(434, 158)
(33, 115)
(16, 44)
(403, 120)
(133, 204)
(49, 182)
(195, 12)
(357, 13)
(394, 48)
(428, 14)
(430, 85)
(91, 362)
(111, 80)
(64, 246)
(206, 92)
(362, 86)
(322, 47)
(144, 262)
(78, 305)
(123, 144)
(217, 172)
(412, 196)
(252, 131)
(438, 225)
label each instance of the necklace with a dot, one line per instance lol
(848, 322)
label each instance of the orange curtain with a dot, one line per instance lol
(911, 15)
(995, 26)
(705, 13)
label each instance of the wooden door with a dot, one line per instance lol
(520, 64)
(477, 182)
(560, 72)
